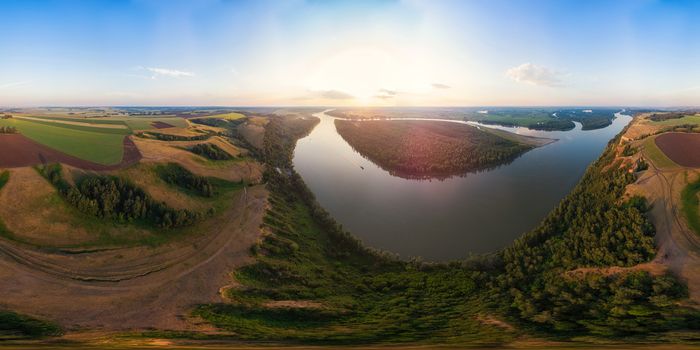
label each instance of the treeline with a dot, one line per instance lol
(592, 228)
(8, 130)
(659, 117)
(210, 151)
(232, 133)
(362, 296)
(424, 149)
(117, 199)
(167, 137)
(175, 174)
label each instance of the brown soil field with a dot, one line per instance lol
(682, 148)
(161, 125)
(19, 151)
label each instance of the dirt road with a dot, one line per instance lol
(132, 288)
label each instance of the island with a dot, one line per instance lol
(433, 149)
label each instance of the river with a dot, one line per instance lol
(448, 219)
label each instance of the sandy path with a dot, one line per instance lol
(134, 288)
(678, 246)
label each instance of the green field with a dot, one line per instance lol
(86, 143)
(226, 116)
(144, 123)
(691, 205)
(690, 119)
(656, 155)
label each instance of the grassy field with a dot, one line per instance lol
(690, 119)
(144, 123)
(656, 155)
(225, 116)
(691, 205)
(92, 144)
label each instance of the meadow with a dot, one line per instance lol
(99, 145)
(691, 205)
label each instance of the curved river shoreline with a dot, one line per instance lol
(445, 219)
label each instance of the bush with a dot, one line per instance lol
(175, 174)
(210, 151)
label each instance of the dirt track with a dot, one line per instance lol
(132, 288)
(678, 246)
(18, 151)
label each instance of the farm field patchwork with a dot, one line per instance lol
(146, 123)
(105, 148)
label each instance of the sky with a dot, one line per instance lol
(334, 53)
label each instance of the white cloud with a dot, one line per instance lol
(169, 72)
(335, 95)
(440, 86)
(536, 75)
(14, 84)
(325, 94)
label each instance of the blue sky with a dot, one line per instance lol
(455, 53)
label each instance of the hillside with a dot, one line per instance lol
(590, 271)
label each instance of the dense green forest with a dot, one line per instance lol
(210, 151)
(591, 227)
(549, 119)
(175, 174)
(689, 201)
(167, 137)
(118, 199)
(351, 294)
(424, 149)
(16, 326)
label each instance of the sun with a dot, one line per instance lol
(360, 72)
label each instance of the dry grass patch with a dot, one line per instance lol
(34, 212)
(162, 152)
(145, 177)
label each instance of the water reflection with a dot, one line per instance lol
(443, 220)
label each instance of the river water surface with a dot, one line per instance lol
(448, 219)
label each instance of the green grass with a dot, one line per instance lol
(656, 155)
(95, 146)
(691, 205)
(144, 123)
(226, 116)
(689, 119)
(88, 128)
(13, 326)
(84, 120)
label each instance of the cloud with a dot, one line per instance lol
(169, 72)
(536, 75)
(441, 86)
(14, 84)
(386, 94)
(326, 94)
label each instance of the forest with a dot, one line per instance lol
(117, 199)
(424, 149)
(359, 295)
(175, 174)
(210, 151)
(167, 137)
